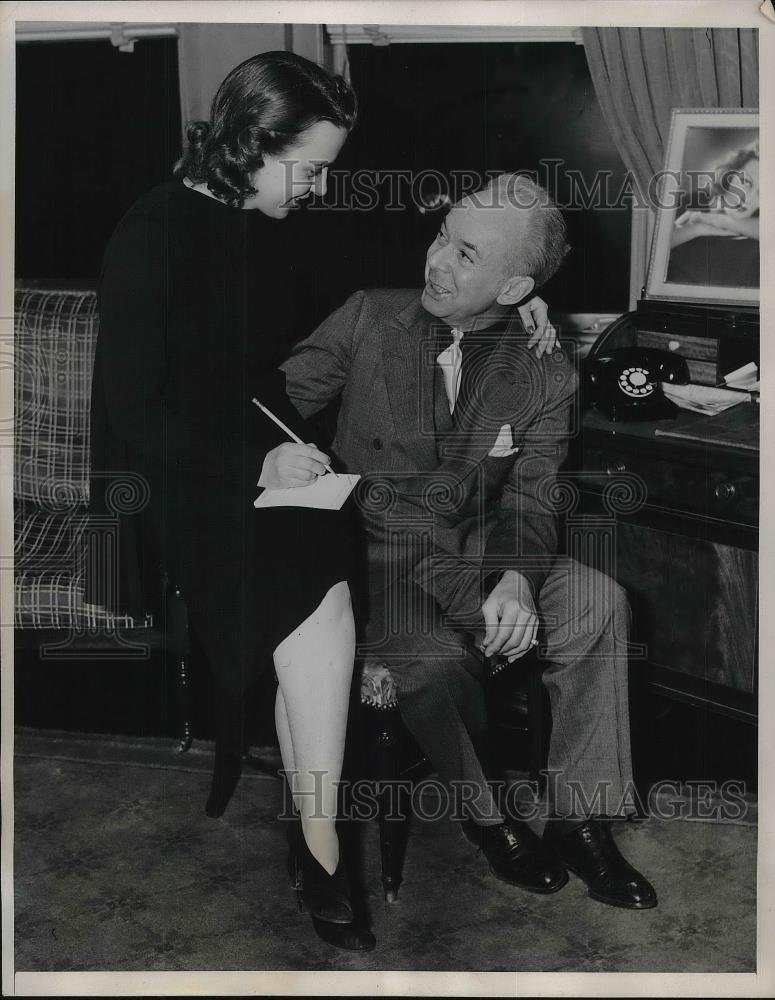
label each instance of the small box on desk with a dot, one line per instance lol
(629, 362)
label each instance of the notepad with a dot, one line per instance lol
(326, 493)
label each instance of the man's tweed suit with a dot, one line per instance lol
(443, 518)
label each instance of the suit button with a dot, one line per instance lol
(377, 442)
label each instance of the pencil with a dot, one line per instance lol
(283, 427)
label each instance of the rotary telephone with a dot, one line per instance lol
(626, 383)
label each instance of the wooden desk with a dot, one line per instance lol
(685, 546)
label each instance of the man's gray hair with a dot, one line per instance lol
(543, 244)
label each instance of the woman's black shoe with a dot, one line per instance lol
(324, 896)
(226, 773)
(351, 937)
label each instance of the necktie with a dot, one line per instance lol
(451, 362)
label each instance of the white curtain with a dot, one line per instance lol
(207, 52)
(641, 74)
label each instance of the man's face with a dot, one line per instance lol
(465, 266)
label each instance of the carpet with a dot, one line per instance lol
(118, 868)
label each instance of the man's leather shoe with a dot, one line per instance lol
(589, 851)
(516, 855)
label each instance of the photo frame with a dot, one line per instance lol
(706, 238)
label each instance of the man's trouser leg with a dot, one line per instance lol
(440, 695)
(584, 644)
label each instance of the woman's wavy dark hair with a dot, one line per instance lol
(261, 108)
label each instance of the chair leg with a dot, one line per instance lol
(178, 639)
(227, 770)
(229, 752)
(185, 727)
(385, 739)
(393, 835)
(537, 723)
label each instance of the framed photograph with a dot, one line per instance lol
(706, 238)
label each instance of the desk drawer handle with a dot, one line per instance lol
(615, 467)
(725, 491)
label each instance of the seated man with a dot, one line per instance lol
(459, 430)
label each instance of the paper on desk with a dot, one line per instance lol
(704, 398)
(746, 377)
(326, 493)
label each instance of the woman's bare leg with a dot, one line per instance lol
(314, 668)
(284, 735)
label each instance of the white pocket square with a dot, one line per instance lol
(504, 444)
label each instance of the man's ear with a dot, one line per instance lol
(514, 290)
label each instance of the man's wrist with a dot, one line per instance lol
(513, 580)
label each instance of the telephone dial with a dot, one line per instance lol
(626, 383)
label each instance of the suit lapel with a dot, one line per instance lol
(505, 395)
(409, 374)
(509, 379)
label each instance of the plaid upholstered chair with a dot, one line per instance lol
(55, 333)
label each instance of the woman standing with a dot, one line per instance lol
(198, 302)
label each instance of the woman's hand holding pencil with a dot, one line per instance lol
(290, 465)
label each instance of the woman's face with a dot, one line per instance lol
(291, 177)
(746, 190)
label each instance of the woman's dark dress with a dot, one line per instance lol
(198, 302)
